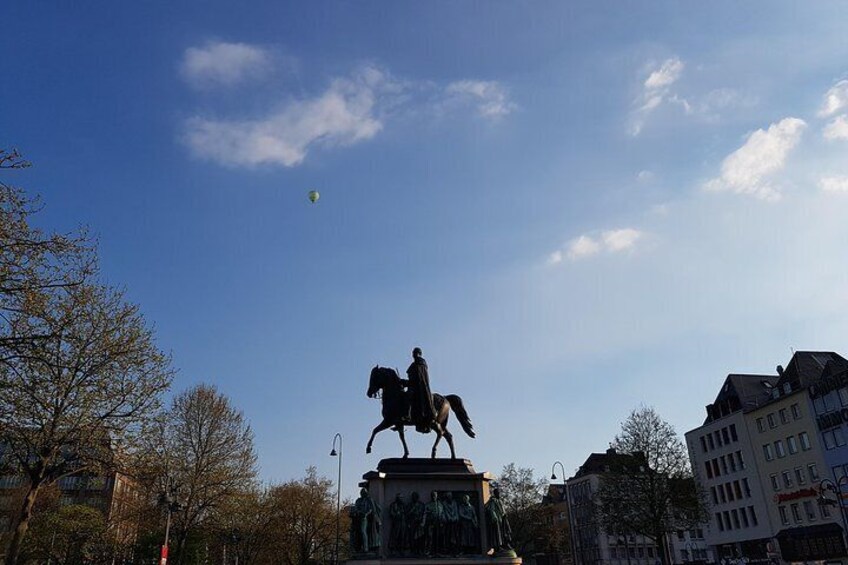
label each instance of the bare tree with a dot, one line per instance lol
(74, 400)
(32, 262)
(522, 495)
(651, 493)
(205, 448)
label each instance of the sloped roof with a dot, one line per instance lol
(741, 392)
(599, 463)
(807, 367)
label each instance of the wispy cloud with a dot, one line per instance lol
(835, 99)
(344, 114)
(748, 169)
(655, 91)
(221, 63)
(490, 97)
(587, 245)
(834, 184)
(837, 128)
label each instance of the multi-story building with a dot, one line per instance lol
(784, 439)
(723, 461)
(591, 545)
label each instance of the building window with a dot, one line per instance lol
(799, 475)
(719, 522)
(710, 441)
(733, 435)
(825, 510)
(805, 441)
(709, 469)
(729, 492)
(813, 471)
(740, 460)
(784, 417)
(829, 441)
(796, 411)
(715, 495)
(744, 516)
(753, 514)
(784, 517)
(746, 488)
(779, 449)
(787, 479)
(721, 494)
(843, 396)
(716, 471)
(723, 464)
(717, 437)
(760, 426)
(796, 512)
(727, 520)
(838, 437)
(731, 461)
(735, 514)
(768, 452)
(771, 421)
(725, 435)
(792, 445)
(774, 484)
(703, 444)
(737, 488)
(808, 510)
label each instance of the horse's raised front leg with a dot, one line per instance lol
(384, 425)
(403, 441)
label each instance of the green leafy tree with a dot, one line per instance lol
(69, 535)
(652, 493)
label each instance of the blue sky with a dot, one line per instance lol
(573, 208)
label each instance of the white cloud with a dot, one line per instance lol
(490, 96)
(837, 128)
(645, 176)
(655, 91)
(620, 240)
(747, 170)
(583, 246)
(835, 99)
(220, 63)
(834, 184)
(666, 75)
(610, 241)
(555, 258)
(343, 115)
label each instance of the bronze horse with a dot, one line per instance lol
(396, 410)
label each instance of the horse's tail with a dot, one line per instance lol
(461, 414)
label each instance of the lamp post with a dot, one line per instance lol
(338, 454)
(168, 498)
(836, 488)
(553, 474)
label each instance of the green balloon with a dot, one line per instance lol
(314, 196)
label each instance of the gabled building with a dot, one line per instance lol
(591, 545)
(761, 456)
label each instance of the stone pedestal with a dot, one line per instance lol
(424, 476)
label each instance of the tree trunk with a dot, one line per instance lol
(15, 544)
(664, 549)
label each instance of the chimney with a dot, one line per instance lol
(611, 451)
(780, 370)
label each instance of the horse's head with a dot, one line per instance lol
(374, 382)
(382, 378)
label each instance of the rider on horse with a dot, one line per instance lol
(422, 412)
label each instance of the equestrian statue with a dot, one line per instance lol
(409, 402)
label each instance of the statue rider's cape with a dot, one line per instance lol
(422, 410)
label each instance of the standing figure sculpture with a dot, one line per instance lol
(433, 523)
(422, 412)
(365, 523)
(497, 526)
(467, 526)
(414, 525)
(450, 531)
(397, 526)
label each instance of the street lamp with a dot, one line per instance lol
(553, 475)
(836, 488)
(333, 453)
(168, 498)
